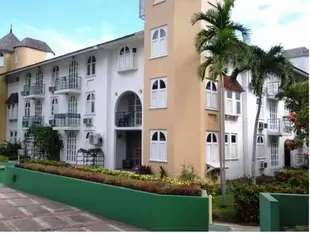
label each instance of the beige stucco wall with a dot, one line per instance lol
(28, 56)
(185, 118)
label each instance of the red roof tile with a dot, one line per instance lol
(233, 85)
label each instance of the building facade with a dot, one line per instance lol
(139, 98)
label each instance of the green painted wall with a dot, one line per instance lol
(141, 209)
(278, 210)
(2, 171)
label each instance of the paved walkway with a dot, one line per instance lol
(235, 227)
(24, 212)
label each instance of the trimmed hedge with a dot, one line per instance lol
(293, 177)
(159, 186)
(247, 198)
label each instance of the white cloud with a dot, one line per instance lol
(62, 43)
(275, 22)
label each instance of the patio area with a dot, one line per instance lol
(24, 212)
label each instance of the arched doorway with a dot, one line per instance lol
(128, 110)
(128, 127)
(287, 156)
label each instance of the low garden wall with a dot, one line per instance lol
(144, 209)
(278, 210)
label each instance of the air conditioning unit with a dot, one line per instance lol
(261, 125)
(88, 121)
(51, 88)
(263, 165)
(51, 122)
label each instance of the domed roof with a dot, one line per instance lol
(34, 44)
(8, 42)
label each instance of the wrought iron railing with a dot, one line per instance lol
(141, 8)
(287, 128)
(274, 125)
(128, 119)
(273, 88)
(67, 120)
(67, 82)
(36, 89)
(32, 120)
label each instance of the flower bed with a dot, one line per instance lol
(115, 197)
(293, 177)
(153, 186)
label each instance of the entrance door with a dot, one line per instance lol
(287, 156)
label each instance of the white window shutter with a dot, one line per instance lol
(154, 48)
(209, 153)
(127, 60)
(215, 153)
(154, 151)
(162, 151)
(154, 99)
(214, 100)
(226, 151)
(208, 99)
(229, 106)
(234, 154)
(162, 95)
(162, 46)
(121, 61)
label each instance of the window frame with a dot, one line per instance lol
(91, 66)
(263, 145)
(27, 109)
(158, 142)
(2, 59)
(90, 103)
(212, 93)
(157, 42)
(71, 147)
(234, 101)
(156, 93)
(54, 106)
(55, 74)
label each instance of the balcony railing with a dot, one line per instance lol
(274, 125)
(272, 88)
(128, 119)
(36, 89)
(141, 9)
(67, 83)
(286, 125)
(32, 121)
(67, 120)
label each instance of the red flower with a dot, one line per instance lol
(251, 216)
(298, 125)
(307, 155)
(292, 116)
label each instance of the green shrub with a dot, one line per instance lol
(247, 198)
(188, 173)
(3, 159)
(159, 187)
(293, 177)
(144, 170)
(45, 162)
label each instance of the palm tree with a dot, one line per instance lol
(220, 45)
(262, 65)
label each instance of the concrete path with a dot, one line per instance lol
(237, 227)
(24, 212)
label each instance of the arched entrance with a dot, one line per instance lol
(128, 130)
(128, 110)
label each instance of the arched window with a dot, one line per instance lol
(55, 74)
(159, 93)
(91, 65)
(1, 59)
(54, 106)
(28, 79)
(124, 58)
(212, 151)
(211, 95)
(260, 147)
(159, 42)
(158, 145)
(90, 103)
(38, 108)
(27, 109)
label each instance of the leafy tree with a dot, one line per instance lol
(262, 65)
(221, 47)
(47, 140)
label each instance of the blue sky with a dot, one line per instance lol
(68, 25)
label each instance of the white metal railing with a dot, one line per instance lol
(274, 125)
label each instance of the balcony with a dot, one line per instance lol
(272, 89)
(141, 9)
(128, 119)
(286, 126)
(68, 85)
(66, 121)
(36, 91)
(29, 121)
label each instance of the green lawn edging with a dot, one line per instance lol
(145, 210)
(278, 210)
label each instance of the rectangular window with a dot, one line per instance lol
(238, 103)
(233, 146)
(158, 93)
(274, 151)
(229, 102)
(158, 145)
(212, 149)
(227, 155)
(159, 42)
(260, 147)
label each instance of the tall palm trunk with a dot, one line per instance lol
(255, 140)
(222, 137)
